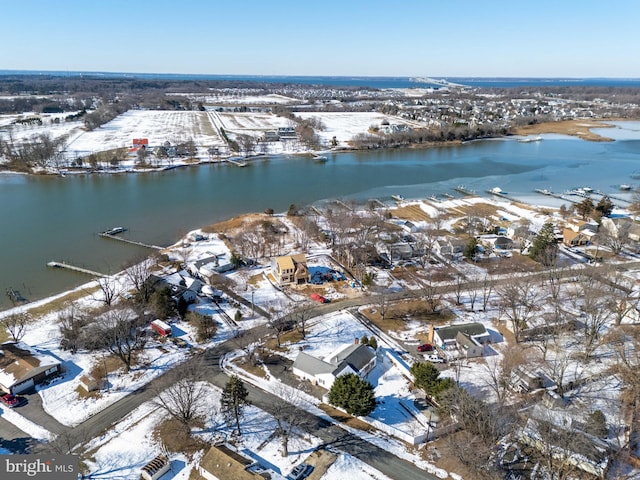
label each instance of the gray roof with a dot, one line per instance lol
(355, 356)
(312, 365)
(451, 332)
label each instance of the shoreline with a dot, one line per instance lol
(580, 128)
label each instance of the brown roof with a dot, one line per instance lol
(17, 361)
(223, 462)
(285, 263)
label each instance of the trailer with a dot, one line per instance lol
(162, 328)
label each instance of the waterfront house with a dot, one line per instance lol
(290, 269)
(358, 359)
(22, 367)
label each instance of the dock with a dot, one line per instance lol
(237, 163)
(132, 242)
(375, 201)
(465, 191)
(554, 195)
(73, 268)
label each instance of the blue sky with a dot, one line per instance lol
(482, 38)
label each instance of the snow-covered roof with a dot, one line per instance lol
(19, 362)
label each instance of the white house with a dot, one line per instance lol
(467, 338)
(356, 358)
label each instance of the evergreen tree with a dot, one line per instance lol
(597, 424)
(604, 206)
(427, 377)
(585, 207)
(233, 400)
(545, 248)
(354, 394)
(471, 248)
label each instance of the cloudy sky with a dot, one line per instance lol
(482, 38)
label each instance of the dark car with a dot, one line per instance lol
(426, 347)
(299, 472)
(12, 401)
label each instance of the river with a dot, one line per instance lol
(59, 218)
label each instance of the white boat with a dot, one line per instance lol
(625, 187)
(115, 231)
(397, 198)
(320, 158)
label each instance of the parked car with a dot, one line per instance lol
(434, 358)
(299, 472)
(319, 298)
(426, 347)
(13, 401)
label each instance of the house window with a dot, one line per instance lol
(51, 370)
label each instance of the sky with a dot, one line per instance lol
(446, 38)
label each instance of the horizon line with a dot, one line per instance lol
(426, 77)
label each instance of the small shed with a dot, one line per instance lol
(89, 383)
(155, 468)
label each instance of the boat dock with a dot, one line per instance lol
(132, 242)
(552, 194)
(375, 201)
(237, 163)
(73, 268)
(465, 191)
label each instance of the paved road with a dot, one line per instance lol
(332, 435)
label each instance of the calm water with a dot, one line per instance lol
(44, 219)
(357, 81)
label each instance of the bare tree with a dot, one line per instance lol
(487, 290)
(290, 417)
(121, 332)
(183, 396)
(110, 289)
(518, 302)
(16, 325)
(248, 342)
(72, 322)
(139, 274)
(458, 287)
(592, 300)
(301, 315)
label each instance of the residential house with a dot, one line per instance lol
(571, 238)
(620, 227)
(450, 247)
(467, 338)
(182, 285)
(358, 359)
(290, 269)
(205, 267)
(22, 367)
(497, 242)
(223, 462)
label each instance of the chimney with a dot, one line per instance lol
(356, 341)
(430, 334)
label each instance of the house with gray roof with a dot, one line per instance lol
(356, 358)
(467, 338)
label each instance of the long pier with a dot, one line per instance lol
(132, 242)
(73, 268)
(555, 195)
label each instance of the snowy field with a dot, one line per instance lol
(158, 126)
(253, 123)
(346, 125)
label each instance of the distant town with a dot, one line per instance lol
(451, 337)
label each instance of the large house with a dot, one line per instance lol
(356, 358)
(467, 338)
(290, 269)
(22, 367)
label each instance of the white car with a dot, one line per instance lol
(434, 358)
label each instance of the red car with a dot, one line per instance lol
(426, 347)
(12, 401)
